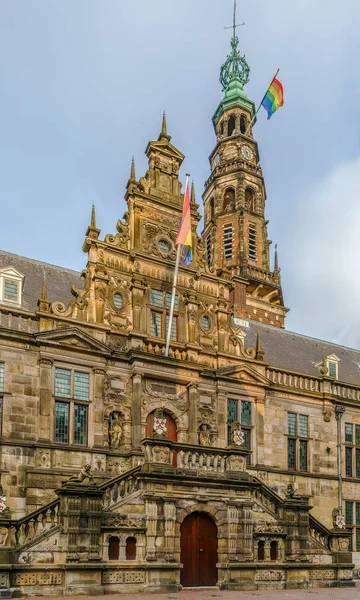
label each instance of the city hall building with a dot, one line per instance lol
(123, 469)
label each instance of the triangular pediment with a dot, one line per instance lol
(164, 147)
(74, 338)
(11, 272)
(243, 373)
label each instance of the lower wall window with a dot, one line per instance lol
(352, 520)
(298, 433)
(71, 418)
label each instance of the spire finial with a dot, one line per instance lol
(235, 66)
(93, 217)
(44, 287)
(324, 368)
(164, 126)
(192, 199)
(276, 260)
(259, 351)
(132, 172)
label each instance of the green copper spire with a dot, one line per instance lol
(235, 66)
(234, 75)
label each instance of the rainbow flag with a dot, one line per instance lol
(274, 97)
(184, 235)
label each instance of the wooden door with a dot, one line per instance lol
(198, 550)
(171, 430)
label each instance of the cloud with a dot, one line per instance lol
(325, 257)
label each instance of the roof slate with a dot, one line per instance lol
(297, 352)
(59, 280)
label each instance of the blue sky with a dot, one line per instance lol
(83, 85)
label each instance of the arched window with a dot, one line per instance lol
(229, 199)
(114, 543)
(273, 551)
(250, 200)
(261, 550)
(242, 124)
(130, 550)
(231, 125)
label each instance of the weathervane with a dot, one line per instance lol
(235, 66)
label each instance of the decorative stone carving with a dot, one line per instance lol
(268, 527)
(270, 576)
(327, 412)
(291, 492)
(43, 458)
(119, 521)
(85, 473)
(236, 463)
(322, 574)
(37, 578)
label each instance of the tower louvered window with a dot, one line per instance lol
(228, 241)
(208, 250)
(252, 242)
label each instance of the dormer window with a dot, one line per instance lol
(11, 283)
(332, 363)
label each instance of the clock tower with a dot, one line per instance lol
(235, 231)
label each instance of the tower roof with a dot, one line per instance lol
(234, 75)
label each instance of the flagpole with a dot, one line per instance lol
(173, 293)
(254, 117)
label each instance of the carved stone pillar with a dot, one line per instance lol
(193, 399)
(151, 528)
(98, 408)
(222, 416)
(138, 289)
(267, 550)
(259, 429)
(46, 400)
(232, 519)
(246, 534)
(169, 530)
(136, 410)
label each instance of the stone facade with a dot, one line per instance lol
(109, 447)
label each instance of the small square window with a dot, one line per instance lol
(81, 385)
(303, 426)
(157, 298)
(63, 383)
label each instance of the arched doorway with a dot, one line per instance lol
(170, 433)
(198, 539)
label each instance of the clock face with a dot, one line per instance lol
(247, 152)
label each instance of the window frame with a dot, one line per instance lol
(352, 450)
(244, 427)
(297, 441)
(253, 243)
(11, 274)
(164, 312)
(228, 243)
(354, 526)
(72, 402)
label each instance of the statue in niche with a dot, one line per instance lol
(204, 435)
(85, 473)
(115, 430)
(229, 199)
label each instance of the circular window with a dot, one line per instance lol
(164, 245)
(118, 300)
(205, 322)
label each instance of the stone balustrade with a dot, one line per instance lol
(24, 531)
(346, 392)
(294, 380)
(118, 487)
(12, 318)
(194, 459)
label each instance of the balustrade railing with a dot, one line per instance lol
(159, 348)
(33, 525)
(346, 392)
(319, 532)
(294, 380)
(11, 318)
(120, 486)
